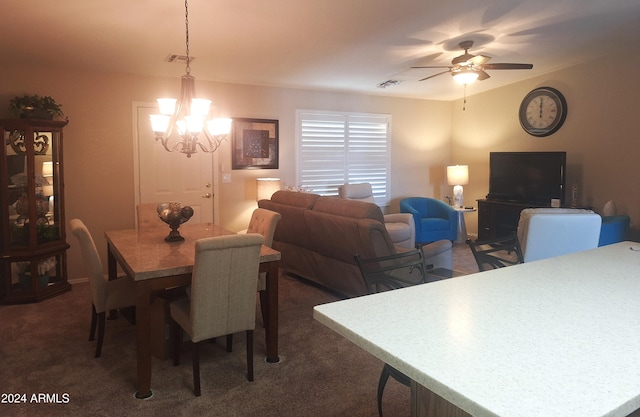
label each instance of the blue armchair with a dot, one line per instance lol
(434, 219)
(614, 229)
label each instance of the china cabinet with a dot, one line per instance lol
(33, 260)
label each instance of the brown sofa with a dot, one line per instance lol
(318, 237)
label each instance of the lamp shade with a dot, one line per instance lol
(458, 175)
(266, 187)
(47, 169)
(465, 76)
(47, 190)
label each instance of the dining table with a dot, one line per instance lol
(553, 337)
(154, 264)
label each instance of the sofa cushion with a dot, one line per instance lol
(292, 227)
(294, 198)
(348, 208)
(360, 192)
(398, 231)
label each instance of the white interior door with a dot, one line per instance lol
(170, 176)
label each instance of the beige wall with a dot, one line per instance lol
(600, 134)
(98, 141)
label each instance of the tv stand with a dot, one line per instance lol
(500, 218)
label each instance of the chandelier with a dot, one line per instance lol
(184, 125)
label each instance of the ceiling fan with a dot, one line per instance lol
(467, 67)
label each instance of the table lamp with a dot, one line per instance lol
(457, 175)
(266, 187)
(47, 190)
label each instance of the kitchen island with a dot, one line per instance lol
(556, 337)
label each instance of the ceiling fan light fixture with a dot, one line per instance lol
(465, 76)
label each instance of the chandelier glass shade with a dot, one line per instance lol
(185, 125)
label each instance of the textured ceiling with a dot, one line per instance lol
(346, 45)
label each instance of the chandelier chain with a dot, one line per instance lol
(186, 25)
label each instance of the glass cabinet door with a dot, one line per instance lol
(32, 197)
(47, 186)
(17, 187)
(32, 242)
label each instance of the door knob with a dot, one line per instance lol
(207, 195)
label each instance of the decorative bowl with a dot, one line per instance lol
(174, 215)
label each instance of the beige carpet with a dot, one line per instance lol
(44, 350)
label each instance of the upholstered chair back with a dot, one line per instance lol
(147, 215)
(362, 192)
(97, 283)
(105, 295)
(223, 286)
(548, 232)
(434, 220)
(264, 222)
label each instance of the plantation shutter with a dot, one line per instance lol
(338, 148)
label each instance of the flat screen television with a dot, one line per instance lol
(527, 177)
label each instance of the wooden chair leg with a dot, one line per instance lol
(264, 307)
(250, 355)
(196, 369)
(94, 321)
(176, 339)
(230, 343)
(101, 319)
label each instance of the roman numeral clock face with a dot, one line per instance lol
(543, 111)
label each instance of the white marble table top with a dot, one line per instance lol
(556, 337)
(144, 254)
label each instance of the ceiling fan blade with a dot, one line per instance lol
(504, 66)
(463, 60)
(479, 59)
(482, 75)
(434, 75)
(433, 66)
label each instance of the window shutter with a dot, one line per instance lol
(338, 148)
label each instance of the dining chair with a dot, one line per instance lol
(223, 296)
(548, 232)
(147, 215)
(496, 253)
(389, 273)
(264, 222)
(105, 295)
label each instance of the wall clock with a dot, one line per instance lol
(543, 111)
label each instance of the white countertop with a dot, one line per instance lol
(553, 338)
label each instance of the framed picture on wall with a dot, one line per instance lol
(254, 144)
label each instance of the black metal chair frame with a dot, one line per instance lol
(487, 252)
(378, 274)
